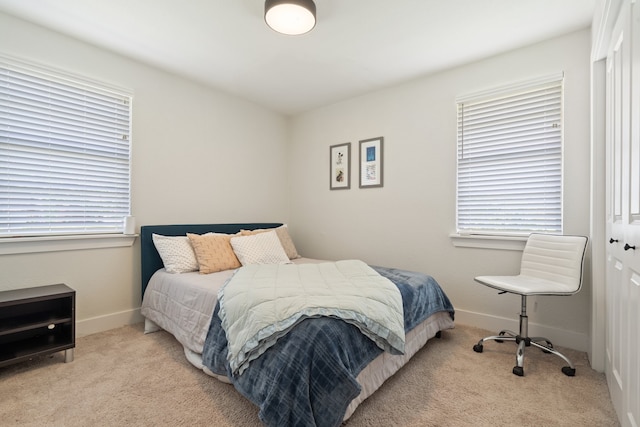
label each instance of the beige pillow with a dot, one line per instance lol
(259, 248)
(213, 252)
(283, 235)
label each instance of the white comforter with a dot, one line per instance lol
(260, 303)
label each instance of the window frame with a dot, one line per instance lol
(47, 242)
(505, 239)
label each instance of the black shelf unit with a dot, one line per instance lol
(37, 321)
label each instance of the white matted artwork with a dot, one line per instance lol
(340, 167)
(371, 162)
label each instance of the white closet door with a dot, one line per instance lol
(623, 216)
(632, 234)
(617, 81)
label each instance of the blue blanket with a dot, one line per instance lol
(308, 378)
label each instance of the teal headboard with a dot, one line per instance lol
(150, 259)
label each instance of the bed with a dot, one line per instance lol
(310, 391)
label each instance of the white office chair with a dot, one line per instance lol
(551, 265)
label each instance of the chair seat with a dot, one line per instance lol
(526, 285)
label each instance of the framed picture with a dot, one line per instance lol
(371, 162)
(340, 166)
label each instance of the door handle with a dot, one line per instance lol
(612, 240)
(627, 247)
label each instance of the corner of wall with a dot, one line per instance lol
(109, 321)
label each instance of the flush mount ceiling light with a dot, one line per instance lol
(292, 17)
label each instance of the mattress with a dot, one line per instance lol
(182, 304)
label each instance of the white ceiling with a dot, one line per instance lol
(357, 45)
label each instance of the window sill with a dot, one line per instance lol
(486, 241)
(24, 245)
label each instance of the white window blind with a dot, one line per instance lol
(510, 160)
(64, 154)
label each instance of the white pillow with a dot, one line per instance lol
(176, 252)
(262, 248)
(283, 235)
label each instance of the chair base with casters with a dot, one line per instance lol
(524, 340)
(551, 265)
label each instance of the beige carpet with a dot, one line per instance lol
(124, 378)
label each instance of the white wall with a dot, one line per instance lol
(407, 223)
(198, 156)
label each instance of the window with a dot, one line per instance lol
(510, 160)
(64, 153)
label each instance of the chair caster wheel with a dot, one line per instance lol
(568, 371)
(477, 348)
(518, 370)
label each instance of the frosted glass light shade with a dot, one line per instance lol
(291, 17)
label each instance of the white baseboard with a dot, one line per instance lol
(559, 337)
(109, 321)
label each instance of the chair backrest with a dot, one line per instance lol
(555, 258)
